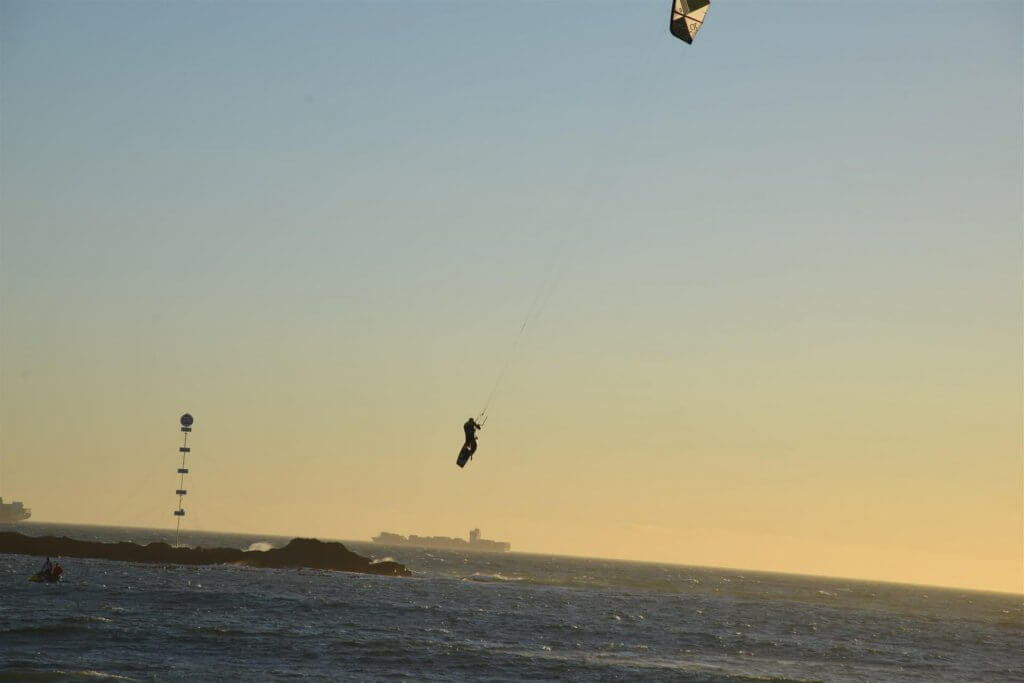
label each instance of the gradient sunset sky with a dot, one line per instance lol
(778, 275)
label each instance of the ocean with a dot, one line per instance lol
(468, 616)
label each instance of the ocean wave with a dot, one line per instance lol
(50, 629)
(85, 619)
(492, 578)
(641, 664)
(260, 546)
(588, 582)
(24, 674)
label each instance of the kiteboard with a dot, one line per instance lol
(464, 455)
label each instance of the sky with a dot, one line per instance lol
(771, 282)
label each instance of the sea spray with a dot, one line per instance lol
(260, 546)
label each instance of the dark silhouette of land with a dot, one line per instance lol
(300, 552)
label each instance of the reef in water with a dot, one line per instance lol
(300, 552)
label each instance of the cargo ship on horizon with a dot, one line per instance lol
(475, 542)
(15, 511)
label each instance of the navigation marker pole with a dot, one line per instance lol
(186, 427)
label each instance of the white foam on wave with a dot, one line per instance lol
(92, 673)
(491, 577)
(260, 546)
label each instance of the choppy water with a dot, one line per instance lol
(487, 617)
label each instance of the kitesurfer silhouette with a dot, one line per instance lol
(470, 429)
(468, 448)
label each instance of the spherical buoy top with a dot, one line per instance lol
(186, 420)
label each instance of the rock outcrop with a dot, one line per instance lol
(300, 552)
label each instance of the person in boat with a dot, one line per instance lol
(47, 569)
(470, 429)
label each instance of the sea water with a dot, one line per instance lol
(472, 616)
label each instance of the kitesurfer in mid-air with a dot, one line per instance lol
(470, 428)
(468, 448)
